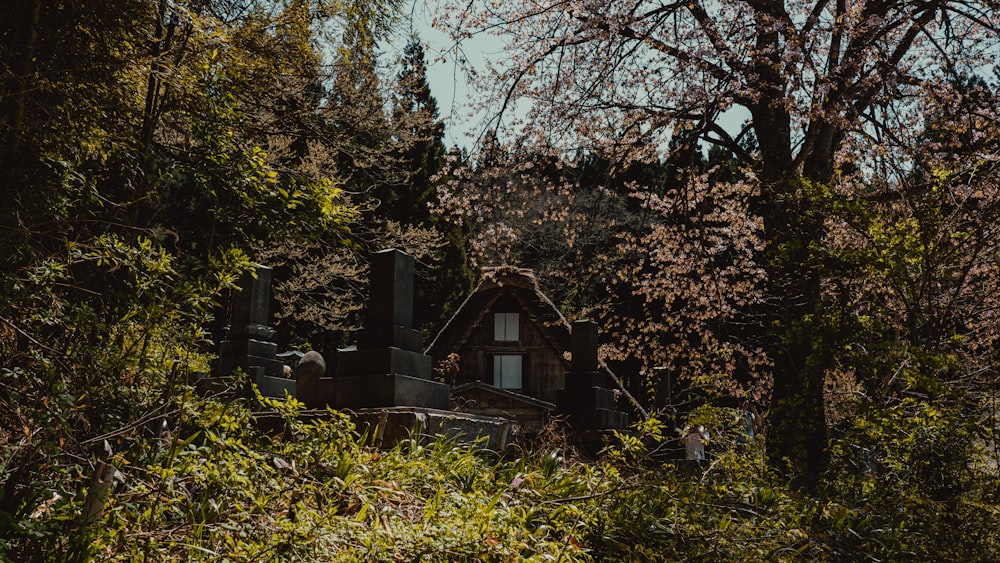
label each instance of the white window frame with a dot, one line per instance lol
(506, 327)
(508, 371)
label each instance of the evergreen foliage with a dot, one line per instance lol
(419, 135)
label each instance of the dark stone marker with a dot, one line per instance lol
(388, 369)
(587, 399)
(391, 299)
(390, 304)
(251, 315)
(584, 346)
(247, 345)
(585, 371)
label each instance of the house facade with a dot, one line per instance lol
(509, 335)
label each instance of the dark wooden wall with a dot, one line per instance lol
(542, 371)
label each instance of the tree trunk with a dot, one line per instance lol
(24, 72)
(797, 437)
(792, 315)
(159, 44)
(21, 59)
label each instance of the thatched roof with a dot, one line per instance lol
(519, 283)
(499, 282)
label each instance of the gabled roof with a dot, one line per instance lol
(498, 282)
(522, 285)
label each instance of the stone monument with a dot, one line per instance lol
(247, 344)
(388, 368)
(587, 399)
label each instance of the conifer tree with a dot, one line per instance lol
(419, 135)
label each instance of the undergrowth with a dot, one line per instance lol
(214, 486)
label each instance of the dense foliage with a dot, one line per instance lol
(215, 486)
(835, 265)
(152, 150)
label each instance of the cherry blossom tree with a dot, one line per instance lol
(917, 261)
(831, 88)
(596, 238)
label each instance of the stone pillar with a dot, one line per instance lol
(247, 344)
(388, 368)
(250, 314)
(583, 346)
(587, 399)
(390, 304)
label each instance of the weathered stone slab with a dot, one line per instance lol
(392, 425)
(275, 386)
(227, 365)
(316, 393)
(388, 390)
(389, 426)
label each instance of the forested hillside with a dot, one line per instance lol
(832, 266)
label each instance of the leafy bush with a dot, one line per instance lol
(910, 480)
(222, 483)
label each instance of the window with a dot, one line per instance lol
(505, 327)
(508, 365)
(507, 372)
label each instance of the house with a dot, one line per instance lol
(511, 353)
(508, 335)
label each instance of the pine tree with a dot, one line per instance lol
(419, 136)
(358, 127)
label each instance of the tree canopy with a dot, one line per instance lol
(835, 92)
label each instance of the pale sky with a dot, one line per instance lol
(454, 94)
(449, 86)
